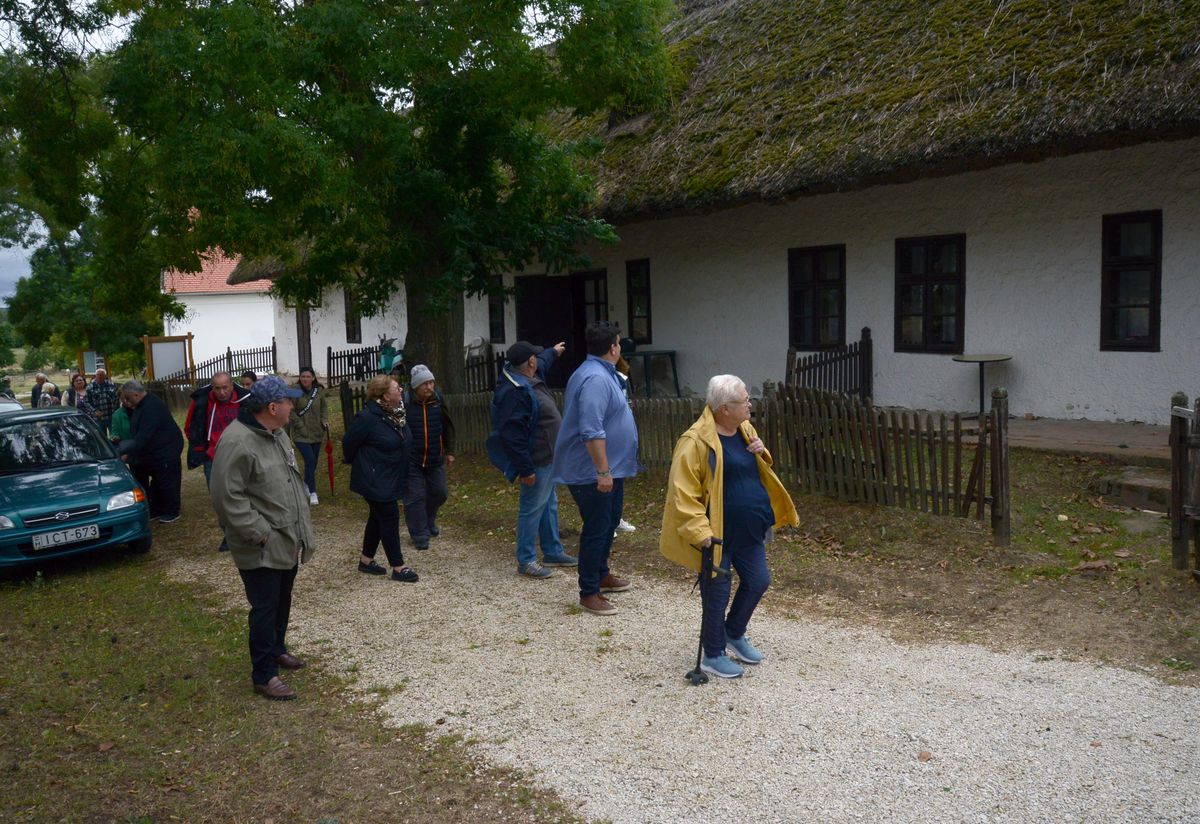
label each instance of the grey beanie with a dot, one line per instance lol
(420, 374)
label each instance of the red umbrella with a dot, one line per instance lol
(329, 459)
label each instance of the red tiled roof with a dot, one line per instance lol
(214, 272)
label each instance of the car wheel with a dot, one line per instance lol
(141, 545)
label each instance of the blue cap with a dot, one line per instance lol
(271, 389)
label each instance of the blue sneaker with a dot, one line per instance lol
(743, 650)
(722, 666)
(533, 570)
(563, 560)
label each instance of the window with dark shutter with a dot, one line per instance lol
(1131, 282)
(931, 293)
(817, 297)
(353, 317)
(637, 290)
(496, 315)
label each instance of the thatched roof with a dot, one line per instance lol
(782, 98)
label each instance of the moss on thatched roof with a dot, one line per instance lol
(778, 99)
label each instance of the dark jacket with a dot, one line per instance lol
(154, 435)
(515, 419)
(198, 423)
(377, 454)
(432, 430)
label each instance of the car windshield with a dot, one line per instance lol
(28, 445)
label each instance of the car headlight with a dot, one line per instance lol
(6, 523)
(125, 500)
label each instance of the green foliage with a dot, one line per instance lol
(35, 358)
(7, 358)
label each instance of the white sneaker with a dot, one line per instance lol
(625, 526)
(312, 498)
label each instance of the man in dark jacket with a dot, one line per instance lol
(153, 451)
(213, 408)
(431, 452)
(525, 422)
(102, 395)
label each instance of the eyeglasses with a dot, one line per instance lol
(746, 402)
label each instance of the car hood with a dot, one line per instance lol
(42, 489)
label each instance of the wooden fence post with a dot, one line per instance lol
(1180, 534)
(866, 367)
(1191, 507)
(1001, 515)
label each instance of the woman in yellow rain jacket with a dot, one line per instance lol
(721, 485)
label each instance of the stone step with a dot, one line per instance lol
(1143, 487)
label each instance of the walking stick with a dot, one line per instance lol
(695, 676)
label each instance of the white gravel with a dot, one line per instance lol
(830, 728)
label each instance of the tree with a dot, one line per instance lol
(378, 145)
(7, 337)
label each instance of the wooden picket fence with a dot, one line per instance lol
(848, 369)
(828, 444)
(262, 359)
(1185, 484)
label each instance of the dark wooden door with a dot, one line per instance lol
(544, 317)
(303, 337)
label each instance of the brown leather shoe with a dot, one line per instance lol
(597, 605)
(289, 661)
(611, 583)
(275, 690)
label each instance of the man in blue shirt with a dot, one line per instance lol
(595, 452)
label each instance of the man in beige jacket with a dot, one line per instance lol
(262, 503)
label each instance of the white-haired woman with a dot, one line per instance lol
(721, 485)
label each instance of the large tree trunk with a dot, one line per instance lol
(436, 340)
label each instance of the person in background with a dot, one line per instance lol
(525, 424)
(35, 394)
(77, 396)
(120, 424)
(309, 426)
(595, 452)
(431, 453)
(721, 485)
(213, 408)
(153, 451)
(259, 499)
(50, 396)
(627, 347)
(248, 378)
(376, 446)
(102, 395)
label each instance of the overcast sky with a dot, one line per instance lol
(14, 264)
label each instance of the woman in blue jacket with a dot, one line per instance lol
(376, 446)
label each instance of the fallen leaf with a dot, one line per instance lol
(1063, 518)
(1097, 744)
(106, 746)
(1122, 553)
(1086, 553)
(924, 755)
(1101, 566)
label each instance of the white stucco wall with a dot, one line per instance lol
(328, 328)
(1033, 235)
(218, 321)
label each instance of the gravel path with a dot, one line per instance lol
(836, 725)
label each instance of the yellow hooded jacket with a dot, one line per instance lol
(695, 495)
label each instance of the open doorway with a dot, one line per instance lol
(551, 308)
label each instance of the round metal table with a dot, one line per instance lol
(983, 361)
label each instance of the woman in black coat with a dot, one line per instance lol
(376, 446)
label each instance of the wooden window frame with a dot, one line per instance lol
(1113, 265)
(795, 285)
(497, 331)
(632, 268)
(927, 280)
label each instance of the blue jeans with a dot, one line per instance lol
(537, 518)
(310, 451)
(600, 512)
(753, 580)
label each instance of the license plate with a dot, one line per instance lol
(50, 540)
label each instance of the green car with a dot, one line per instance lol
(63, 490)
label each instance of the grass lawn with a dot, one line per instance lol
(125, 697)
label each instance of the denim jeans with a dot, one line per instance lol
(423, 497)
(600, 512)
(537, 518)
(753, 580)
(269, 592)
(311, 452)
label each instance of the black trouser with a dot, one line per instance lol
(160, 479)
(383, 524)
(424, 496)
(269, 592)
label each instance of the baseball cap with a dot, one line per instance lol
(522, 351)
(271, 389)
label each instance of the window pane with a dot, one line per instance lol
(641, 306)
(1131, 324)
(1136, 239)
(829, 301)
(831, 264)
(641, 328)
(830, 330)
(912, 300)
(943, 329)
(945, 299)
(912, 331)
(1133, 287)
(803, 327)
(802, 303)
(802, 267)
(945, 257)
(912, 259)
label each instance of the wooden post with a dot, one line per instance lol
(1179, 480)
(149, 360)
(1191, 505)
(1001, 509)
(191, 359)
(866, 375)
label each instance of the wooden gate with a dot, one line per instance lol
(1185, 484)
